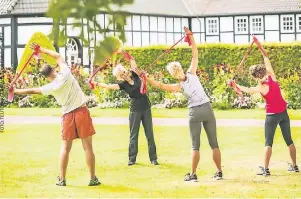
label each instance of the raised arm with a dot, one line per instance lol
(269, 67)
(194, 62)
(27, 91)
(165, 87)
(135, 68)
(59, 59)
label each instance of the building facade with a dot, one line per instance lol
(157, 22)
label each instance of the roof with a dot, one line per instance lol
(237, 7)
(158, 7)
(30, 6)
(172, 7)
(6, 6)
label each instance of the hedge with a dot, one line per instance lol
(285, 58)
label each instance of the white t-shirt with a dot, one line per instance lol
(194, 91)
(65, 89)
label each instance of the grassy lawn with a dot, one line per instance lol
(29, 165)
(157, 113)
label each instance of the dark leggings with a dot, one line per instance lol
(135, 120)
(199, 115)
(271, 123)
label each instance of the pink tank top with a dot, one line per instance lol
(274, 100)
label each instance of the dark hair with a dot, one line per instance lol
(46, 70)
(258, 71)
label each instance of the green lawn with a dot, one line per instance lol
(158, 113)
(29, 165)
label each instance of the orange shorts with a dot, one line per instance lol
(77, 124)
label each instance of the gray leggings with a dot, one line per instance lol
(271, 123)
(199, 115)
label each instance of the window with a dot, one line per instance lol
(241, 25)
(212, 26)
(72, 50)
(161, 24)
(256, 25)
(299, 23)
(145, 23)
(153, 24)
(169, 25)
(287, 23)
(136, 23)
(177, 25)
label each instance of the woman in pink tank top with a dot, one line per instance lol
(276, 112)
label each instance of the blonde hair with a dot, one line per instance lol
(117, 71)
(174, 68)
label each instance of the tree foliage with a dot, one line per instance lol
(86, 12)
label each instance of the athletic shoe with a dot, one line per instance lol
(60, 182)
(131, 163)
(94, 182)
(189, 177)
(292, 168)
(154, 162)
(218, 175)
(264, 172)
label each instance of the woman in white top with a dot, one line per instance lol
(200, 110)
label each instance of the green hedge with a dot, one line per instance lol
(285, 58)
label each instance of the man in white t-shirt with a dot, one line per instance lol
(76, 120)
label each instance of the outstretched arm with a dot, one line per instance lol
(194, 62)
(165, 87)
(107, 86)
(250, 90)
(27, 91)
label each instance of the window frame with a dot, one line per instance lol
(282, 23)
(237, 31)
(252, 31)
(208, 26)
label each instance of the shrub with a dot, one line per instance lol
(217, 64)
(291, 87)
(91, 101)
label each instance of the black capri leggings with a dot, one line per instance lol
(271, 123)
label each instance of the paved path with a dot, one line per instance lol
(120, 121)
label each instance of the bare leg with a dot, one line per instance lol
(90, 157)
(195, 161)
(292, 150)
(267, 156)
(216, 155)
(64, 157)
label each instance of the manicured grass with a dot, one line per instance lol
(157, 113)
(29, 165)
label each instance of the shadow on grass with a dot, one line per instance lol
(108, 188)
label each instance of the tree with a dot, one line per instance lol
(85, 12)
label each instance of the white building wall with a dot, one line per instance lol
(25, 32)
(212, 39)
(298, 37)
(271, 28)
(227, 38)
(226, 29)
(287, 37)
(153, 30)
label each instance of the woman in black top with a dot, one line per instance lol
(140, 109)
